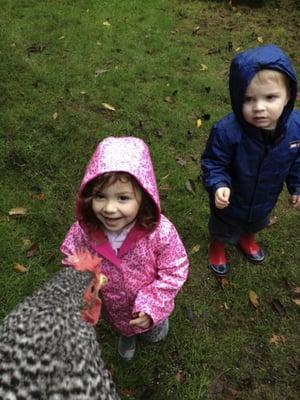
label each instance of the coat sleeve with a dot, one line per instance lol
(74, 240)
(293, 178)
(157, 299)
(216, 160)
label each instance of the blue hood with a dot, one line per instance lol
(243, 68)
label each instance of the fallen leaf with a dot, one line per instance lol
(260, 39)
(20, 268)
(278, 307)
(180, 376)
(238, 49)
(83, 92)
(100, 71)
(165, 186)
(195, 248)
(198, 122)
(32, 251)
(165, 177)
(26, 242)
(55, 115)
(296, 301)
(272, 221)
(181, 161)
(108, 107)
(203, 67)
(296, 291)
(17, 212)
(37, 194)
(190, 186)
(106, 23)
(61, 38)
(226, 306)
(223, 282)
(169, 99)
(254, 299)
(277, 339)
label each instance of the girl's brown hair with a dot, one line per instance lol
(147, 216)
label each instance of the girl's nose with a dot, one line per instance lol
(110, 207)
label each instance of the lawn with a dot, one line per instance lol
(162, 65)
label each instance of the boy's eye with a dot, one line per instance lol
(247, 99)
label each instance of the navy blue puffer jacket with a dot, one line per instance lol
(236, 156)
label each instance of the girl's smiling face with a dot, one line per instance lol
(264, 102)
(116, 205)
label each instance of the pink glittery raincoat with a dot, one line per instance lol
(150, 267)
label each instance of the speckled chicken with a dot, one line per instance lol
(47, 349)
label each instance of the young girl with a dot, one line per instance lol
(119, 218)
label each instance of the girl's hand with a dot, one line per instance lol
(296, 200)
(222, 197)
(141, 320)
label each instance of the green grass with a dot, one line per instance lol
(52, 52)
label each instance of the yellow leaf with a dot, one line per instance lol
(169, 99)
(195, 248)
(238, 49)
(296, 301)
(226, 306)
(18, 211)
(254, 299)
(198, 123)
(26, 242)
(296, 290)
(277, 339)
(20, 268)
(106, 23)
(108, 107)
(83, 92)
(260, 39)
(273, 220)
(203, 67)
(55, 115)
(61, 38)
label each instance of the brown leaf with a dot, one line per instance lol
(20, 268)
(100, 71)
(296, 291)
(32, 251)
(223, 282)
(17, 212)
(195, 248)
(296, 301)
(278, 307)
(254, 299)
(37, 194)
(164, 186)
(180, 376)
(277, 339)
(260, 39)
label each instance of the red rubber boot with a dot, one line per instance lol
(251, 249)
(217, 259)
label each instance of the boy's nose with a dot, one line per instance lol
(258, 105)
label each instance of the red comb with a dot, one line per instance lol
(83, 260)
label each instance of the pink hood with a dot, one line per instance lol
(123, 154)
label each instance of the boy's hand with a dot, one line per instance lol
(296, 200)
(141, 320)
(222, 197)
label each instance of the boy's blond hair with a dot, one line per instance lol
(271, 74)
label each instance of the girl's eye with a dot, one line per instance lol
(98, 196)
(271, 97)
(124, 198)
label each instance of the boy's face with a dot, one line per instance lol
(264, 102)
(117, 205)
